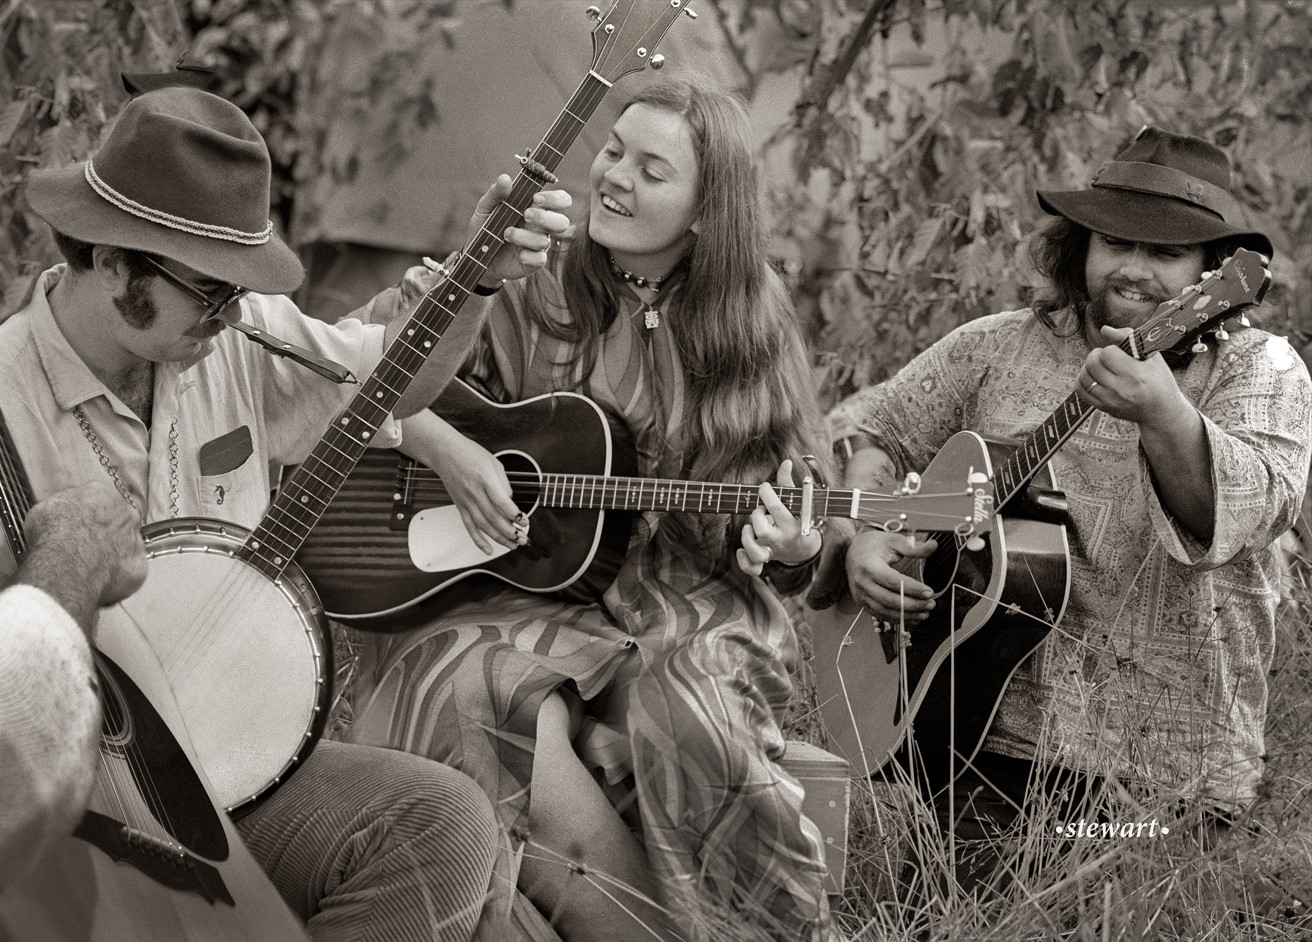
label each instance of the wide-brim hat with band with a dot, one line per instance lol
(185, 175)
(1164, 189)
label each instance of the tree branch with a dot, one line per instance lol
(817, 96)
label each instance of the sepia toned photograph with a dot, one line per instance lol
(671, 470)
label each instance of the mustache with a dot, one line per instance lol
(1116, 283)
(208, 329)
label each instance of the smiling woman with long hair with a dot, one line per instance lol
(663, 700)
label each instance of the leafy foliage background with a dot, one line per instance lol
(903, 205)
(903, 185)
(910, 206)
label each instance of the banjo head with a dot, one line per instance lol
(249, 658)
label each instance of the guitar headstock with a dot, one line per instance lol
(626, 35)
(1241, 281)
(966, 512)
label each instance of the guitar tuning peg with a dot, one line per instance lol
(975, 544)
(691, 13)
(911, 483)
(1199, 347)
(1244, 321)
(658, 61)
(593, 13)
(1222, 334)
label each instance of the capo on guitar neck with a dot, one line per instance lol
(814, 476)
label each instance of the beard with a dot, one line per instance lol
(1097, 310)
(135, 305)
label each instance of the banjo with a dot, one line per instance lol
(153, 857)
(237, 626)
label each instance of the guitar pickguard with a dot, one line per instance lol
(439, 542)
(136, 743)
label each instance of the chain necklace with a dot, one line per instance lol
(112, 470)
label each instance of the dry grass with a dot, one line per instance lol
(1254, 885)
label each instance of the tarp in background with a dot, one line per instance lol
(496, 91)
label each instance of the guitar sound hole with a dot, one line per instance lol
(116, 721)
(940, 567)
(525, 480)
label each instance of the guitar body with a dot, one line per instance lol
(947, 673)
(382, 545)
(155, 858)
(250, 658)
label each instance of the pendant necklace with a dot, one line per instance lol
(651, 317)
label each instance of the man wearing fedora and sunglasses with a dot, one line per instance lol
(1177, 487)
(120, 370)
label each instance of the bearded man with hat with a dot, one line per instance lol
(120, 370)
(1178, 486)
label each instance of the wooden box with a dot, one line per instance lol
(826, 779)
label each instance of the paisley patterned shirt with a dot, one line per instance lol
(1157, 672)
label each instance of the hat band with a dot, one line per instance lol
(173, 222)
(1167, 181)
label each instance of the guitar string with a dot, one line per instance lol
(115, 785)
(429, 485)
(228, 603)
(17, 503)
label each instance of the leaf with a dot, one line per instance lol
(10, 119)
(926, 234)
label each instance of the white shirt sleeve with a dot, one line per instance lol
(49, 725)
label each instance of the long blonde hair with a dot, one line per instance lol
(750, 401)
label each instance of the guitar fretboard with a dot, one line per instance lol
(15, 493)
(601, 492)
(1040, 445)
(590, 492)
(302, 500)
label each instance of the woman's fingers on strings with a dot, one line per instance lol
(746, 565)
(762, 522)
(779, 514)
(753, 552)
(475, 532)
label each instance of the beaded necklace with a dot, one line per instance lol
(651, 314)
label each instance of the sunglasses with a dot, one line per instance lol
(215, 303)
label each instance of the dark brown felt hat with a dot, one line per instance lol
(1164, 189)
(183, 174)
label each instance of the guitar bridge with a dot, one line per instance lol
(168, 864)
(403, 507)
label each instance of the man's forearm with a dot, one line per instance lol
(1181, 464)
(869, 468)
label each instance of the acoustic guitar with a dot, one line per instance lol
(154, 857)
(948, 673)
(239, 629)
(392, 538)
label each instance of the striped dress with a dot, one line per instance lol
(683, 665)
